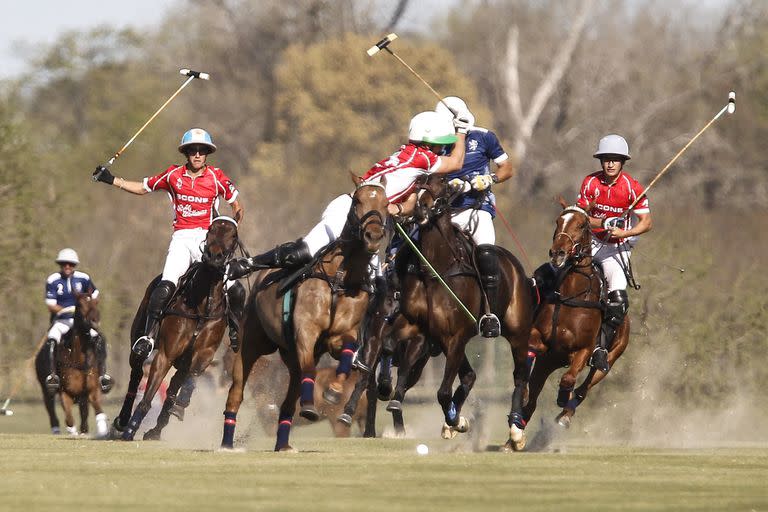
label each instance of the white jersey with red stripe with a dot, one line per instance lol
(611, 199)
(402, 169)
(195, 200)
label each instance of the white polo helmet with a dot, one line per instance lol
(196, 136)
(457, 105)
(432, 128)
(67, 256)
(612, 145)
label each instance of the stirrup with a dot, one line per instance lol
(143, 347)
(106, 382)
(358, 363)
(52, 383)
(599, 360)
(489, 326)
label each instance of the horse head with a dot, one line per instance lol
(368, 214)
(87, 311)
(434, 198)
(573, 235)
(220, 242)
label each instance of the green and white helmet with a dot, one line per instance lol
(433, 128)
(612, 145)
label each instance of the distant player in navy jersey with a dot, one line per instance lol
(60, 289)
(475, 209)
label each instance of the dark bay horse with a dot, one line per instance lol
(322, 313)
(568, 320)
(432, 321)
(189, 334)
(77, 365)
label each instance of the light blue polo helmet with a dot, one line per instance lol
(196, 136)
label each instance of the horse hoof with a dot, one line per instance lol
(332, 396)
(563, 420)
(152, 435)
(117, 426)
(55, 431)
(73, 431)
(462, 426)
(394, 406)
(178, 411)
(517, 438)
(448, 432)
(384, 390)
(308, 412)
(287, 449)
(105, 383)
(345, 418)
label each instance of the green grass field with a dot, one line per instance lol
(42, 472)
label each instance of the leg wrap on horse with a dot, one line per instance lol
(283, 431)
(307, 390)
(488, 267)
(287, 255)
(345, 360)
(236, 300)
(230, 421)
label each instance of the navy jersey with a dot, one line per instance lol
(60, 290)
(482, 146)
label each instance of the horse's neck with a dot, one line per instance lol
(206, 282)
(350, 257)
(438, 242)
(581, 278)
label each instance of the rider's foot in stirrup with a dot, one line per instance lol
(599, 360)
(143, 347)
(105, 382)
(52, 382)
(489, 326)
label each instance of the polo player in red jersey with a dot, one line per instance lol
(612, 191)
(194, 189)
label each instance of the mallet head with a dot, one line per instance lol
(373, 50)
(731, 102)
(197, 74)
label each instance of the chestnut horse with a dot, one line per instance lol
(431, 320)
(322, 313)
(189, 334)
(78, 367)
(567, 322)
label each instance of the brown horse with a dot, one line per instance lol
(77, 365)
(568, 320)
(322, 313)
(433, 322)
(189, 335)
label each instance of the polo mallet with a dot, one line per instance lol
(186, 72)
(384, 45)
(4, 410)
(729, 107)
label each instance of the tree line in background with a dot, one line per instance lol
(294, 103)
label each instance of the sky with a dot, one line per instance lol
(30, 22)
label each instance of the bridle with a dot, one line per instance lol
(218, 262)
(440, 204)
(578, 250)
(359, 225)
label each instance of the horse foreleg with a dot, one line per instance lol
(414, 356)
(69, 418)
(454, 422)
(333, 393)
(296, 387)
(565, 395)
(49, 400)
(94, 398)
(371, 395)
(524, 361)
(370, 355)
(137, 372)
(467, 377)
(160, 366)
(164, 416)
(82, 403)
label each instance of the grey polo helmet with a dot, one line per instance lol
(612, 145)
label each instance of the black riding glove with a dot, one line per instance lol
(238, 268)
(102, 174)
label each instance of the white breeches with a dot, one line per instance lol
(330, 227)
(186, 248)
(610, 257)
(61, 327)
(477, 223)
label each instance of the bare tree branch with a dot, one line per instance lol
(402, 5)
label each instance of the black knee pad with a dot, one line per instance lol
(616, 307)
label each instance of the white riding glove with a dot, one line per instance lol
(462, 123)
(459, 184)
(482, 182)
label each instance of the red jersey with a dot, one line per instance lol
(195, 200)
(402, 169)
(611, 199)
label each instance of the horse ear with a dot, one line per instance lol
(561, 201)
(238, 216)
(357, 180)
(383, 181)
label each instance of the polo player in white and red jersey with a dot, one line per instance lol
(612, 191)
(194, 189)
